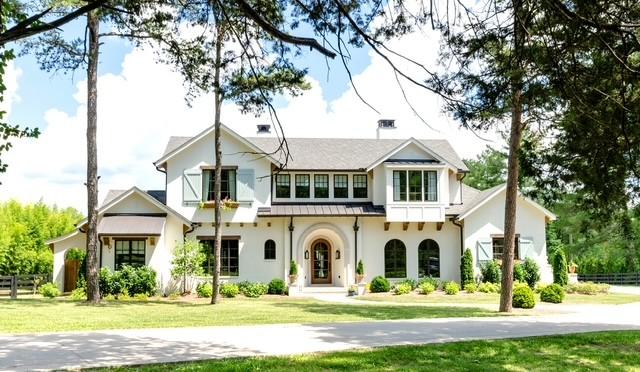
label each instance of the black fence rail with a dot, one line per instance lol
(12, 285)
(615, 278)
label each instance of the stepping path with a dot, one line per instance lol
(123, 347)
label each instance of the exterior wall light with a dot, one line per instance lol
(306, 254)
(337, 254)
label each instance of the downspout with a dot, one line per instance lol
(291, 228)
(100, 243)
(355, 238)
(461, 226)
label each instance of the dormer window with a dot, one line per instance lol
(415, 186)
(341, 186)
(228, 184)
(283, 186)
(321, 186)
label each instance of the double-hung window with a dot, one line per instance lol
(228, 184)
(229, 256)
(359, 185)
(415, 185)
(302, 186)
(321, 186)
(341, 186)
(430, 186)
(130, 252)
(498, 247)
(283, 186)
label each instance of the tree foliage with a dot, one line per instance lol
(487, 170)
(24, 229)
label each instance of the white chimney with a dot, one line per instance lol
(264, 128)
(385, 124)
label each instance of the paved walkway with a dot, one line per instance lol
(108, 348)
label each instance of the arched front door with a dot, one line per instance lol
(320, 262)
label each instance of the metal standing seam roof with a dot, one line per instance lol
(131, 225)
(336, 153)
(336, 210)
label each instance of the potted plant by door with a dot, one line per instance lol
(293, 273)
(353, 290)
(360, 272)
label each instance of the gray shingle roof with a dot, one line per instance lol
(470, 198)
(159, 195)
(337, 210)
(336, 153)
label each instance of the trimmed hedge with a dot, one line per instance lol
(379, 284)
(277, 287)
(552, 293)
(523, 297)
(491, 272)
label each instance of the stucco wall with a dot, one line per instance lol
(60, 250)
(530, 224)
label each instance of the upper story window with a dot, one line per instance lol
(283, 186)
(498, 247)
(415, 185)
(321, 186)
(228, 184)
(340, 186)
(302, 186)
(359, 185)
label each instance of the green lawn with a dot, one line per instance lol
(42, 315)
(494, 298)
(602, 351)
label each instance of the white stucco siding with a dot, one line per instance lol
(159, 257)
(202, 153)
(455, 190)
(60, 250)
(252, 264)
(379, 185)
(374, 239)
(488, 220)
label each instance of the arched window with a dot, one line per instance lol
(269, 250)
(428, 259)
(395, 259)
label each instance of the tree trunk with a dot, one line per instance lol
(93, 290)
(215, 297)
(513, 166)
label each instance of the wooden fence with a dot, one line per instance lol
(12, 285)
(615, 278)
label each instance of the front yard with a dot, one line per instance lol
(440, 297)
(602, 351)
(51, 315)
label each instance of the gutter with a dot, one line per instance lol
(291, 228)
(461, 227)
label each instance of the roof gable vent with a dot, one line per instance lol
(264, 128)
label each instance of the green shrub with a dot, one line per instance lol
(75, 254)
(142, 297)
(466, 268)
(255, 290)
(174, 296)
(451, 288)
(489, 288)
(49, 290)
(552, 293)
(431, 280)
(559, 264)
(523, 297)
(128, 280)
(293, 269)
(78, 294)
(518, 273)
(204, 290)
(402, 288)
(411, 282)
(471, 287)
(243, 285)
(426, 288)
(379, 284)
(229, 290)
(491, 272)
(360, 268)
(539, 288)
(587, 288)
(277, 287)
(531, 272)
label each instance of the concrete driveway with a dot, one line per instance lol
(121, 347)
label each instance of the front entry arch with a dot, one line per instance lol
(321, 262)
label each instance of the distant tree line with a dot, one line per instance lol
(24, 229)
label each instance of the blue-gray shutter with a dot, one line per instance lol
(246, 179)
(526, 247)
(192, 186)
(484, 249)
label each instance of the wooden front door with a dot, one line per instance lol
(320, 263)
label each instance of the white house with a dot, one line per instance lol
(398, 205)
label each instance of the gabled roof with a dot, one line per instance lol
(480, 198)
(159, 195)
(420, 145)
(178, 144)
(116, 196)
(334, 153)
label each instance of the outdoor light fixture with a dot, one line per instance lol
(306, 254)
(152, 240)
(337, 254)
(106, 241)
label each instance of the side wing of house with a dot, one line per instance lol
(484, 234)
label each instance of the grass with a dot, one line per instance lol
(42, 315)
(494, 298)
(601, 351)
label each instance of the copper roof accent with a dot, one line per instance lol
(131, 225)
(336, 210)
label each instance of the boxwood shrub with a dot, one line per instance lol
(489, 288)
(379, 284)
(552, 293)
(451, 288)
(229, 290)
(277, 287)
(491, 272)
(523, 297)
(255, 290)
(402, 288)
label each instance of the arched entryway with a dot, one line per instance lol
(321, 262)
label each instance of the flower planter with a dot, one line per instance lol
(293, 279)
(359, 278)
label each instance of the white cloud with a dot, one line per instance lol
(144, 105)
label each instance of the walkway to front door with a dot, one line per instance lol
(320, 262)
